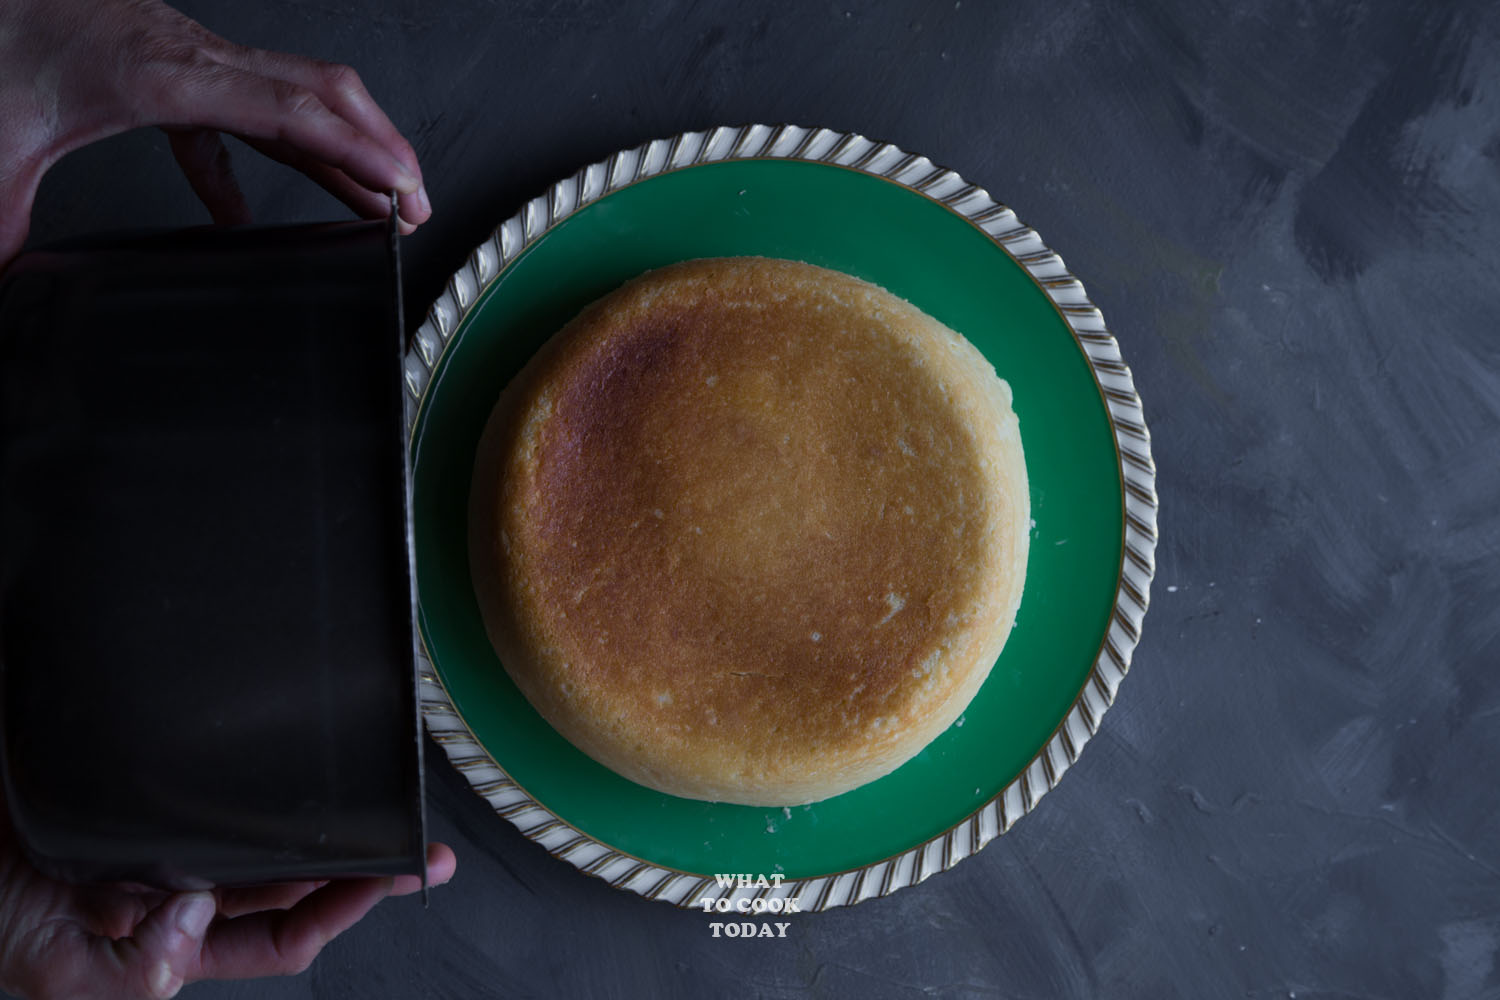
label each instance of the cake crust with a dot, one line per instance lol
(750, 530)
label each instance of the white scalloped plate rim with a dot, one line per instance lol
(1117, 388)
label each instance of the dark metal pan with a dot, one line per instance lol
(206, 629)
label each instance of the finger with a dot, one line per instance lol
(285, 942)
(339, 87)
(441, 864)
(155, 961)
(205, 161)
(113, 911)
(415, 207)
(343, 92)
(256, 107)
(366, 204)
(254, 899)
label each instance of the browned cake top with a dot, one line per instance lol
(761, 529)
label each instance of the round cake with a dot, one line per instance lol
(751, 530)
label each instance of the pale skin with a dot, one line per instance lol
(73, 72)
(76, 71)
(64, 942)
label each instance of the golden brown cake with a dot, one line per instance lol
(750, 530)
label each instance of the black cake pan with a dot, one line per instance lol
(207, 668)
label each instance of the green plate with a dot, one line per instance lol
(565, 252)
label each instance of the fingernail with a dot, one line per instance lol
(409, 181)
(163, 982)
(422, 202)
(196, 913)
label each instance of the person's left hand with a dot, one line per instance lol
(75, 71)
(85, 942)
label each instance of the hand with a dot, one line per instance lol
(83, 942)
(75, 71)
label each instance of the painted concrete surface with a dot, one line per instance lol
(1290, 215)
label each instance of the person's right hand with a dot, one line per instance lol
(75, 71)
(67, 942)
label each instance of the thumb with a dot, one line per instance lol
(165, 945)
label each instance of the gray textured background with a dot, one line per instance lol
(1290, 214)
